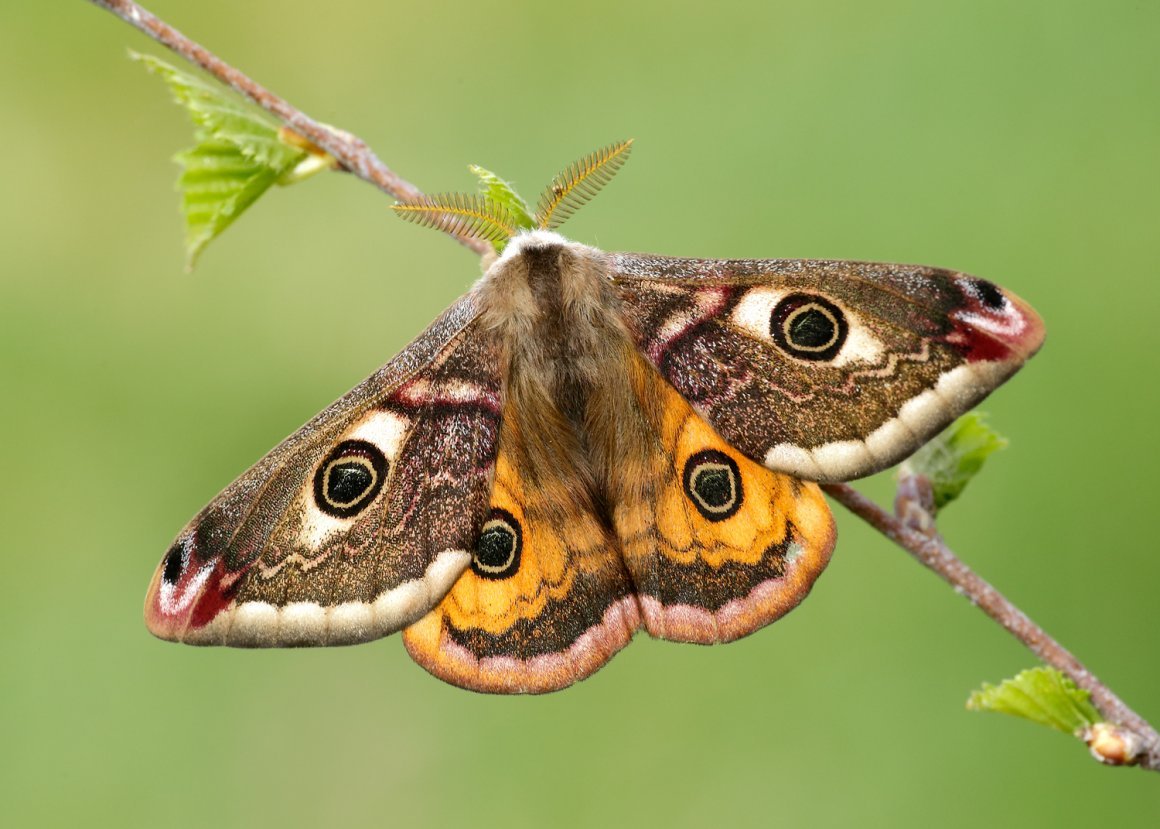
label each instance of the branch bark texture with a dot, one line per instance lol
(931, 551)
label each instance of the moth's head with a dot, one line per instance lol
(537, 271)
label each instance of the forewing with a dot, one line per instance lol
(825, 370)
(356, 524)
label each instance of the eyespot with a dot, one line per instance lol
(497, 552)
(349, 478)
(808, 326)
(713, 484)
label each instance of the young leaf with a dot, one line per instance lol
(502, 193)
(954, 457)
(1042, 695)
(217, 183)
(220, 115)
(239, 155)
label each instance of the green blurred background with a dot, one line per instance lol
(1013, 140)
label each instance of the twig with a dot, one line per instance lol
(352, 152)
(914, 531)
(932, 552)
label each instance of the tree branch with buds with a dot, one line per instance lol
(1114, 732)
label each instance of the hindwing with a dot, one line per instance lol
(546, 600)
(717, 545)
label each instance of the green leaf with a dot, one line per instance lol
(1042, 695)
(502, 193)
(217, 184)
(221, 115)
(239, 155)
(954, 457)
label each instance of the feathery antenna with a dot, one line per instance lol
(498, 213)
(475, 217)
(577, 183)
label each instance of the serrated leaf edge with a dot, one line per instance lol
(503, 193)
(1060, 694)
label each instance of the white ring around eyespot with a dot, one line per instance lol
(917, 420)
(261, 624)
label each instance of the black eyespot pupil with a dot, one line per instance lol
(715, 486)
(495, 547)
(497, 551)
(349, 478)
(173, 564)
(346, 482)
(811, 329)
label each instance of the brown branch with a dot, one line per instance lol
(914, 531)
(931, 551)
(350, 151)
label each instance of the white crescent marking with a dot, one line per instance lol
(917, 421)
(260, 624)
(385, 430)
(168, 599)
(786, 457)
(834, 458)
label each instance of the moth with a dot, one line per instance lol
(587, 444)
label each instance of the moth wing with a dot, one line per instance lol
(717, 545)
(356, 524)
(547, 600)
(826, 370)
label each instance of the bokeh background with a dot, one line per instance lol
(1013, 140)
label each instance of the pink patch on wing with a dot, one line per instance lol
(765, 603)
(993, 325)
(186, 593)
(709, 302)
(539, 674)
(215, 598)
